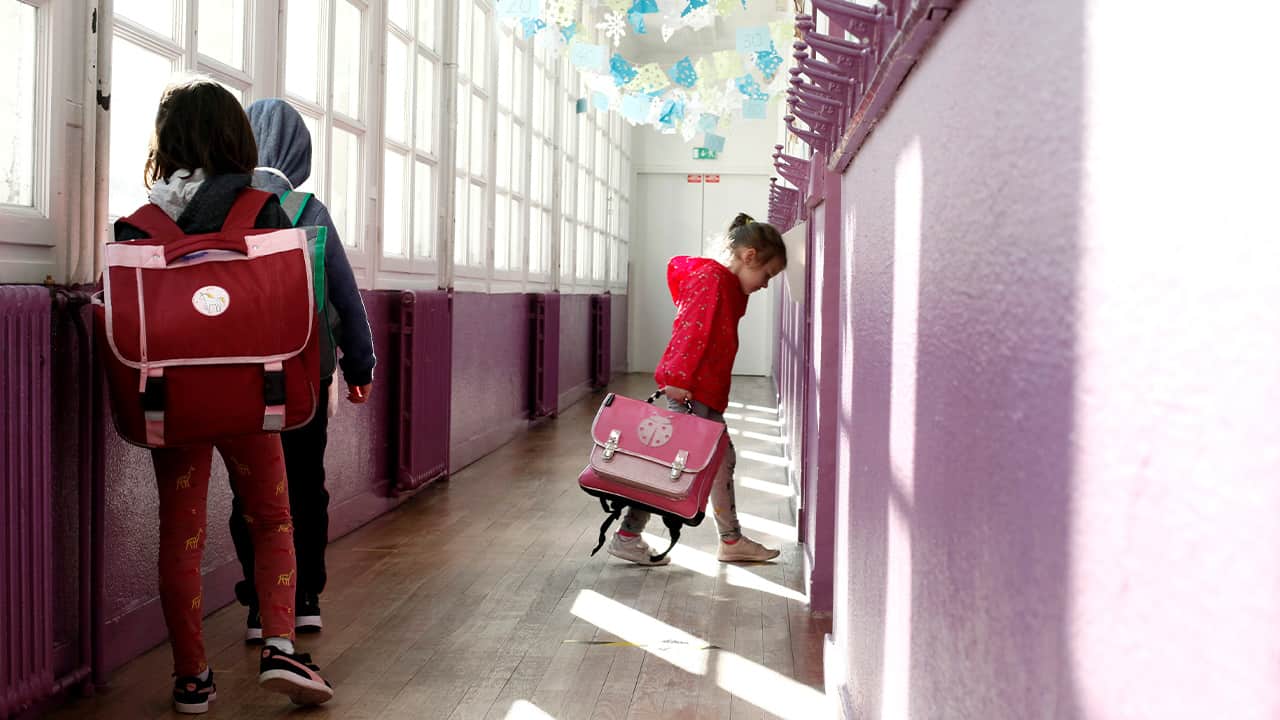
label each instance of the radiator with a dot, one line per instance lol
(601, 340)
(544, 367)
(426, 361)
(26, 535)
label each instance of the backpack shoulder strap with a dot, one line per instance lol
(294, 203)
(244, 212)
(615, 512)
(153, 221)
(673, 523)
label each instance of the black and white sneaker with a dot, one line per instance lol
(253, 627)
(293, 675)
(191, 695)
(307, 614)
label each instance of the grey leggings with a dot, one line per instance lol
(723, 502)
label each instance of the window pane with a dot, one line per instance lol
(424, 215)
(133, 121)
(398, 91)
(506, 76)
(478, 227)
(536, 112)
(566, 254)
(598, 257)
(584, 142)
(480, 47)
(517, 74)
(157, 16)
(401, 13)
(567, 183)
(582, 253)
(427, 23)
(461, 221)
(425, 136)
(220, 31)
(463, 149)
(535, 181)
(517, 158)
(393, 209)
(344, 181)
(602, 157)
(584, 197)
(302, 61)
(479, 148)
(544, 249)
(315, 179)
(18, 106)
(601, 208)
(502, 176)
(464, 38)
(501, 232)
(347, 59)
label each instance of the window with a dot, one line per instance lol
(324, 59)
(472, 182)
(18, 106)
(513, 147)
(153, 41)
(411, 160)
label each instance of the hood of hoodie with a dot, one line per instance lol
(284, 143)
(683, 267)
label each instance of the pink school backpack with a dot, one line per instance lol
(654, 460)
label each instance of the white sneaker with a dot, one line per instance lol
(635, 550)
(746, 550)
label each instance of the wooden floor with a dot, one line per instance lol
(479, 599)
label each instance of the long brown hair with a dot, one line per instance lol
(745, 232)
(199, 125)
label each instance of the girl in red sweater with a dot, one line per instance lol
(710, 299)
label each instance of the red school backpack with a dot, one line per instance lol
(209, 336)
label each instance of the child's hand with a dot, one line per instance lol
(677, 394)
(359, 394)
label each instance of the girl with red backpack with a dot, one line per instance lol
(198, 168)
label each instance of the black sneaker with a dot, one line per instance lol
(306, 614)
(293, 675)
(191, 695)
(253, 627)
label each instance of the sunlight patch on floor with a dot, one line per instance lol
(525, 710)
(705, 563)
(774, 460)
(772, 488)
(764, 525)
(767, 689)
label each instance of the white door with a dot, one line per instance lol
(668, 222)
(722, 202)
(678, 217)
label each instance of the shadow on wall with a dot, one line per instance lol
(958, 405)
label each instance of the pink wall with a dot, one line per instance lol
(1058, 388)
(490, 373)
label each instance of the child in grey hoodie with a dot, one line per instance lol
(284, 162)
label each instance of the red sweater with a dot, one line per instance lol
(704, 338)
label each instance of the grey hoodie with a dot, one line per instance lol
(284, 146)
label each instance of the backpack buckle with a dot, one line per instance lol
(611, 447)
(677, 468)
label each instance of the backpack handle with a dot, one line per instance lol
(688, 404)
(186, 246)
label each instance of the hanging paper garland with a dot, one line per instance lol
(683, 74)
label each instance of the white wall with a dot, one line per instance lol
(748, 148)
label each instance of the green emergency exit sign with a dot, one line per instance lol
(701, 153)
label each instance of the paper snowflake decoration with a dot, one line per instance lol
(684, 74)
(700, 19)
(668, 31)
(614, 26)
(561, 12)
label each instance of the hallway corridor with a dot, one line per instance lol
(478, 599)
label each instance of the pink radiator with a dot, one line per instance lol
(544, 370)
(26, 535)
(426, 361)
(601, 340)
